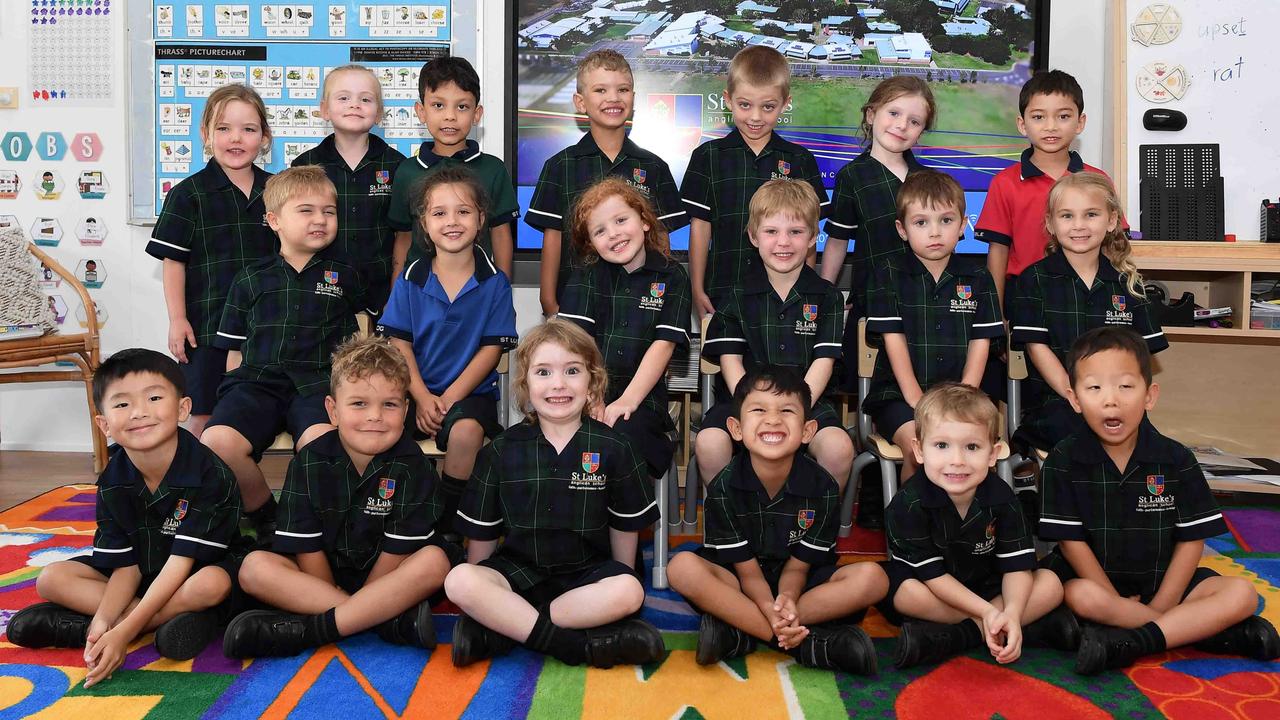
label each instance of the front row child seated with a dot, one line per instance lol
(767, 570)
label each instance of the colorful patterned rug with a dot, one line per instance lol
(363, 678)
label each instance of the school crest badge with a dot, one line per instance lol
(784, 167)
(180, 511)
(1155, 484)
(810, 313)
(590, 461)
(964, 292)
(639, 174)
(804, 519)
(657, 289)
(386, 488)
(1118, 302)
(331, 277)
(991, 530)
(382, 176)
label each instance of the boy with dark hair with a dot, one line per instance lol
(767, 569)
(168, 513)
(1130, 509)
(449, 105)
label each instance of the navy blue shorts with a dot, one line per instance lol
(772, 571)
(540, 586)
(481, 408)
(1055, 562)
(900, 572)
(261, 409)
(889, 416)
(230, 564)
(203, 373)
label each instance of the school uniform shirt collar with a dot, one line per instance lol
(802, 481)
(214, 178)
(955, 267)
(330, 446)
(1088, 450)
(328, 252)
(776, 143)
(327, 151)
(1074, 164)
(586, 147)
(184, 471)
(913, 165)
(1056, 263)
(808, 281)
(427, 153)
(419, 271)
(932, 496)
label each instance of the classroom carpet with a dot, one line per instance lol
(361, 677)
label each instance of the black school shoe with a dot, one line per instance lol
(922, 642)
(264, 633)
(718, 640)
(412, 627)
(1106, 648)
(1059, 630)
(473, 642)
(184, 635)
(48, 624)
(1252, 637)
(846, 648)
(626, 642)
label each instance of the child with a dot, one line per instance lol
(744, 333)
(449, 105)
(356, 547)
(863, 206)
(1130, 510)
(361, 166)
(935, 313)
(964, 566)
(168, 513)
(284, 316)
(561, 583)
(724, 173)
(634, 299)
(452, 317)
(210, 228)
(605, 96)
(1086, 280)
(768, 568)
(1050, 115)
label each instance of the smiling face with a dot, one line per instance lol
(932, 231)
(1051, 122)
(783, 241)
(451, 218)
(369, 413)
(448, 111)
(1080, 221)
(141, 411)
(897, 124)
(351, 101)
(605, 97)
(308, 221)
(558, 383)
(617, 233)
(236, 137)
(771, 425)
(1111, 393)
(756, 109)
(956, 455)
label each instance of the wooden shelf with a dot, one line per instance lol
(1207, 256)
(1221, 333)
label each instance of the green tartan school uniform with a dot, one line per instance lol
(364, 194)
(406, 197)
(554, 509)
(287, 323)
(864, 208)
(1133, 518)
(327, 506)
(939, 319)
(215, 231)
(722, 176)
(568, 173)
(195, 512)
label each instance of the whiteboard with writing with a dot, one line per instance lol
(1217, 61)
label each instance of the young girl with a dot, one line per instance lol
(452, 318)
(635, 300)
(1087, 279)
(212, 225)
(361, 166)
(568, 495)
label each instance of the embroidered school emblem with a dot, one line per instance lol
(331, 277)
(1118, 302)
(387, 488)
(804, 519)
(590, 461)
(784, 167)
(810, 313)
(382, 176)
(964, 292)
(991, 530)
(638, 174)
(657, 289)
(181, 510)
(1155, 484)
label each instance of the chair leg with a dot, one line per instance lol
(851, 489)
(692, 489)
(888, 479)
(99, 440)
(673, 517)
(660, 538)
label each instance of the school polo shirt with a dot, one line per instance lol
(288, 323)
(195, 512)
(864, 207)
(628, 312)
(406, 196)
(215, 231)
(568, 173)
(1131, 519)
(722, 176)
(1013, 213)
(364, 194)
(939, 319)
(800, 521)
(555, 509)
(327, 506)
(446, 334)
(927, 534)
(752, 321)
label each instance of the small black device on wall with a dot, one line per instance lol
(1270, 230)
(1161, 119)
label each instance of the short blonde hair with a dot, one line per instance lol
(360, 357)
(216, 104)
(793, 198)
(960, 403)
(759, 66)
(377, 86)
(603, 60)
(932, 189)
(292, 182)
(573, 339)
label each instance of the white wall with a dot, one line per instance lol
(1079, 43)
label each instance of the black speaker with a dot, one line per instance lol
(1156, 119)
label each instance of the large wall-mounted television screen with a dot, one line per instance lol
(975, 53)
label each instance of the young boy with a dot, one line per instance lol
(168, 513)
(767, 570)
(449, 105)
(356, 547)
(1130, 510)
(605, 95)
(361, 166)
(284, 316)
(780, 313)
(724, 173)
(964, 566)
(1050, 115)
(935, 313)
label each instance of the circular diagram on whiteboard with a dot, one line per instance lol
(1162, 82)
(1156, 24)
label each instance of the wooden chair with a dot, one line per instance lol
(80, 349)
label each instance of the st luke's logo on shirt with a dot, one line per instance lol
(1156, 501)
(589, 479)
(988, 543)
(381, 183)
(804, 521)
(809, 325)
(964, 302)
(170, 525)
(653, 301)
(1117, 315)
(638, 176)
(330, 285)
(380, 506)
(387, 488)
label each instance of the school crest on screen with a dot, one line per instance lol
(1118, 314)
(590, 479)
(964, 302)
